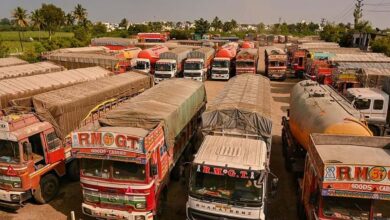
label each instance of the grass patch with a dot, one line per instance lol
(14, 46)
(35, 35)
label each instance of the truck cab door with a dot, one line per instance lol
(54, 148)
(379, 110)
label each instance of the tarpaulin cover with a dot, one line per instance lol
(172, 102)
(244, 105)
(66, 108)
(24, 87)
(11, 61)
(103, 41)
(80, 60)
(29, 69)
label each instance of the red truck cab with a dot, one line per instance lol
(298, 62)
(32, 159)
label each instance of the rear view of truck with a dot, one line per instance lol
(198, 64)
(246, 61)
(275, 63)
(229, 174)
(346, 177)
(170, 64)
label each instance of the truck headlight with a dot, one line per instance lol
(17, 185)
(140, 205)
(139, 217)
(15, 197)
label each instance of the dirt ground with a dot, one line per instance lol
(282, 207)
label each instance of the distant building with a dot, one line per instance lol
(363, 40)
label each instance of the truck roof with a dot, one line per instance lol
(234, 152)
(368, 93)
(353, 150)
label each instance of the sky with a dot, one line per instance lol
(243, 11)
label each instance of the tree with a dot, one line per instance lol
(217, 24)
(179, 25)
(227, 26)
(99, 29)
(234, 24)
(20, 20)
(80, 13)
(69, 19)
(201, 26)
(4, 50)
(358, 12)
(155, 26)
(261, 27)
(37, 21)
(381, 45)
(53, 18)
(123, 23)
(5, 21)
(138, 28)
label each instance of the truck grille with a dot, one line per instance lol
(192, 74)
(157, 75)
(199, 215)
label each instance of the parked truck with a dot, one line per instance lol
(275, 63)
(198, 64)
(223, 66)
(146, 60)
(345, 177)
(18, 91)
(230, 172)
(246, 61)
(247, 45)
(35, 150)
(28, 70)
(316, 108)
(127, 160)
(171, 64)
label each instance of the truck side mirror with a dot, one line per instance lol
(27, 148)
(153, 170)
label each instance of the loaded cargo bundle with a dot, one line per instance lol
(361, 57)
(243, 107)
(20, 90)
(80, 60)
(67, 107)
(203, 53)
(11, 61)
(172, 103)
(29, 69)
(373, 77)
(92, 49)
(103, 41)
(248, 54)
(178, 54)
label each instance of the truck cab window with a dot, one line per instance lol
(362, 104)
(37, 148)
(53, 141)
(378, 104)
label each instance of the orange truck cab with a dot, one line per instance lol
(32, 158)
(298, 62)
(345, 177)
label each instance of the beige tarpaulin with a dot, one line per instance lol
(19, 90)
(11, 61)
(173, 102)
(243, 106)
(66, 108)
(28, 70)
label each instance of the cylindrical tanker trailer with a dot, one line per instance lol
(316, 108)
(147, 58)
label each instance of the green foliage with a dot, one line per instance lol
(4, 50)
(217, 24)
(53, 17)
(13, 35)
(138, 28)
(201, 26)
(82, 35)
(155, 26)
(80, 14)
(180, 34)
(123, 23)
(333, 33)
(381, 45)
(99, 30)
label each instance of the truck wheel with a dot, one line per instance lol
(375, 130)
(162, 203)
(73, 170)
(175, 173)
(47, 190)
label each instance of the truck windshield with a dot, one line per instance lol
(192, 66)
(381, 210)
(276, 63)
(9, 152)
(112, 169)
(245, 64)
(226, 188)
(163, 67)
(221, 64)
(346, 208)
(142, 65)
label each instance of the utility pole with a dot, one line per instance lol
(358, 12)
(323, 20)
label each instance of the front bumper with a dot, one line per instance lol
(158, 80)
(115, 214)
(220, 76)
(7, 200)
(277, 75)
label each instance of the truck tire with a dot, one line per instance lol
(175, 173)
(162, 203)
(73, 170)
(47, 190)
(375, 130)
